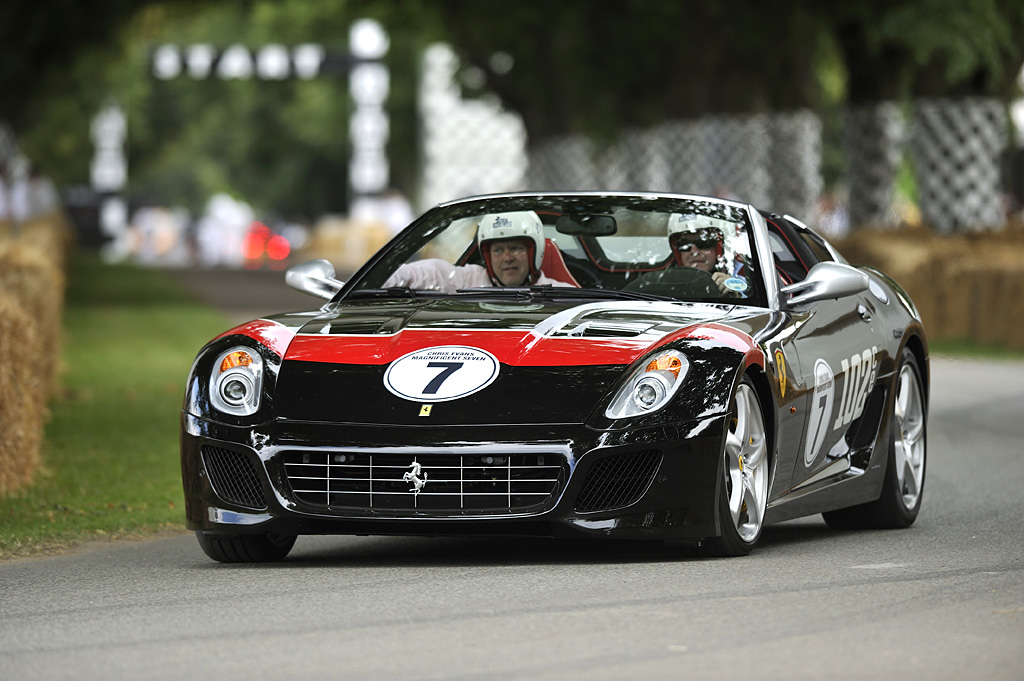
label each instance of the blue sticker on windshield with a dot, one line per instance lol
(736, 284)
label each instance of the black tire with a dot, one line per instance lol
(900, 500)
(741, 530)
(246, 548)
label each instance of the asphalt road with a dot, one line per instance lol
(245, 295)
(942, 600)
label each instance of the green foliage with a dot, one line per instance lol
(110, 454)
(592, 66)
(894, 48)
(600, 66)
(956, 45)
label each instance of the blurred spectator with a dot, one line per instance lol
(42, 194)
(833, 218)
(396, 211)
(221, 231)
(158, 236)
(723, 191)
(20, 199)
(5, 205)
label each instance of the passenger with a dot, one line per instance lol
(512, 246)
(702, 267)
(698, 241)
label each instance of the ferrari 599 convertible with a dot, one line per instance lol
(626, 365)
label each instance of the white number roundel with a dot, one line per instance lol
(821, 410)
(441, 373)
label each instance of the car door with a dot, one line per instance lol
(832, 362)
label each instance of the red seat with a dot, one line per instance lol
(553, 265)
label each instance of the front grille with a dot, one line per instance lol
(618, 481)
(473, 483)
(234, 477)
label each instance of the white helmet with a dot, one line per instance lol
(704, 230)
(513, 225)
(678, 222)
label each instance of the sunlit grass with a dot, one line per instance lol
(110, 456)
(967, 349)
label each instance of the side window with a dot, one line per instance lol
(822, 249)
(817, 246)
(788, 265)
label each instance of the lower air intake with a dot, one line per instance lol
(618, 481)
(234, 477)
(431, 482)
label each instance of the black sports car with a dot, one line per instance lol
(599, 364)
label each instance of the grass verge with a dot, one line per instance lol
(968, 349)
(110, 455)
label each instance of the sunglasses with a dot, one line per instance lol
(685, 245)
(704, 238)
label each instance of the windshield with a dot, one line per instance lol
(603, 246)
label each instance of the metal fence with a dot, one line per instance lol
(772, 160)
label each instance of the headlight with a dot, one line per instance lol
(650, 386)
(237, 382)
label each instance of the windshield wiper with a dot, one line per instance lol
(548, 291)
(394, 292)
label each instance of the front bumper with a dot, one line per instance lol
(652, 483)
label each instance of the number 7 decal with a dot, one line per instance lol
(449, 368)
(441, 373)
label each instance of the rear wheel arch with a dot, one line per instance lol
(915, 344)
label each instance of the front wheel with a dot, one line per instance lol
(743, 495)
(246, 548)
(900, 501)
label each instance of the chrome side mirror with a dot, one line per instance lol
(315, 277)
(825, 281)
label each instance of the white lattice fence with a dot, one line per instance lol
(770, 160)
(795, 162)
(956, 145)
(873, 137)
(468, 146)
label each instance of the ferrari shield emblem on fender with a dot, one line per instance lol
(780, 368)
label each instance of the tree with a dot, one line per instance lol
(603, 65)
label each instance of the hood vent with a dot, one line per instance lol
(609, 329)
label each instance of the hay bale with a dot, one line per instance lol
(32, 278)
(347, 244)
(21, 396)
(967, 286)
(52, 235)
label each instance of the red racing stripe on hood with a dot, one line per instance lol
(513, 348)
(720, 334)
(271, 334)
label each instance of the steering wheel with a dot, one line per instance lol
(584, 276)
(678, 282)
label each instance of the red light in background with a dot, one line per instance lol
(278, 247)
(255, 242)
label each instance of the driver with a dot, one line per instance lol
(512, 246)
(698, 242)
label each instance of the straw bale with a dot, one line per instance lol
(31, 278)
(966, 286)
(52, 235)
(21, 403)
(347, 244)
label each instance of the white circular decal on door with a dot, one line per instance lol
(442, 373)
(821, 410)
